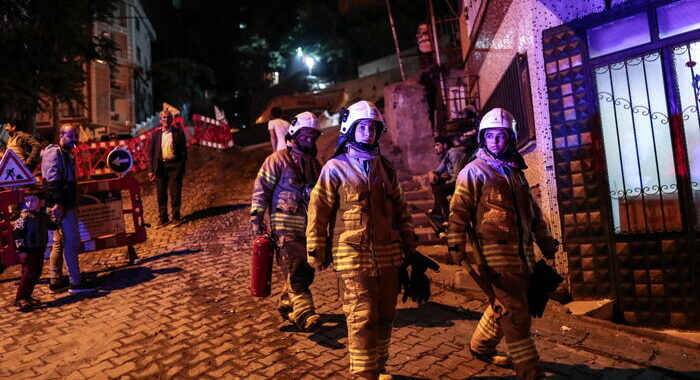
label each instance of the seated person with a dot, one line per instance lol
(442, 178)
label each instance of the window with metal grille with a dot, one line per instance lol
(513, 94)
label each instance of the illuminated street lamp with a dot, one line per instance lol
(310, 62)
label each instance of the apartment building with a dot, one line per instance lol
(116, 97)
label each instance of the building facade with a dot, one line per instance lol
(118, 97)
(606, 94)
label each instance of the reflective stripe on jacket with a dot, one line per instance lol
(364, 215)
(485, 199)
(280, 187)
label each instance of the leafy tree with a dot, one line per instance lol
(45, 46)
(180, 81)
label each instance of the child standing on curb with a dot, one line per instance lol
(31, 233)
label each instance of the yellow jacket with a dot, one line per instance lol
(493, 198)
(362, 216)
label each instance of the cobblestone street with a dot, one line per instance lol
(185, 312)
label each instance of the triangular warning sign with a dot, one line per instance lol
(13, 172)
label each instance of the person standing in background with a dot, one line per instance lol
(278, 128)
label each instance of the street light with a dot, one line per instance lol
(310, 62)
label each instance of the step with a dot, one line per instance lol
(410, 185)
(403, 176)
(423, 180)
(426, 235)
(420, 220)
(420, 194)
(421, 205)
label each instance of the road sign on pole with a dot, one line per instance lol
(13, 172)
(120, 160)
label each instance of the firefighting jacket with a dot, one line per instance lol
(361, 214)
(283, 186)
(493, 197)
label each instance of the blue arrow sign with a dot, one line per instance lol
(120, 160)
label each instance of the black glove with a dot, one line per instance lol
(404, 282)
(544, 279)
(419, 284)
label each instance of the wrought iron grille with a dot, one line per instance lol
(513, 94)
(687, 82)
(638, 146)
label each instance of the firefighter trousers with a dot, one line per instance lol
(296, 301)
(369, 304)
(511, 290)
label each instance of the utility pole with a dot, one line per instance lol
(436, 48)
(396, 40)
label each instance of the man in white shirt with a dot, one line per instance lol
(278, 128)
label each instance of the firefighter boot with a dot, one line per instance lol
(306, 321)
(495, 359)
(284, 307)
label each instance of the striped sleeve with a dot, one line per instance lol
(324, 197)
(463, 208)
(264, 185)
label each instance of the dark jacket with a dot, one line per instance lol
(31, 230)
(59, 176)
(452, 163)
(155, 154)
(28, 147)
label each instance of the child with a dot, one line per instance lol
(31, 235)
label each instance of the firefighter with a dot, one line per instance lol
(493, 209)
(283, 187)
(358, 215)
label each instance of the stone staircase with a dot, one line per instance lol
(416, 189)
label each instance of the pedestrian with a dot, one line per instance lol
(168, 156)
(59, 176)
(283, 187)
(31, 234)
(23, 144)
(359, 216)
(493, 209)
(278, 129)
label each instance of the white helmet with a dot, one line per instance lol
(304, 120)
(497, 118)
(358, 111)
(349, 117)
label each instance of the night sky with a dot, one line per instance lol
(242, 41)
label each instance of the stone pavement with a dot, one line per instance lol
(185, 313)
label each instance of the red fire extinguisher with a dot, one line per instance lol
(261, 267)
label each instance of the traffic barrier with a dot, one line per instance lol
(104, 219)
(114, 226)
(9, 204)
(212, 133)
(91, 158)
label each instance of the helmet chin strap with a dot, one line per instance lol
(364, 146)
(507, 154)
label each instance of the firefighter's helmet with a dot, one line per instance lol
(497, 118)
(303, 120)
(362, 110)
